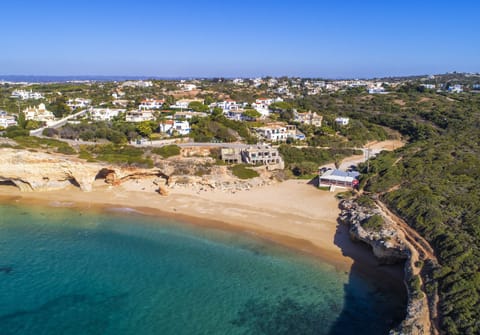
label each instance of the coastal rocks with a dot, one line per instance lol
(38, 171)
(162, 190)
(386, 245)
(390, 245)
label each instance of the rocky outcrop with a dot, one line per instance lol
(39, 171)
(386, 243)
(391, 245)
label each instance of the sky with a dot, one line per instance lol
(239, 38)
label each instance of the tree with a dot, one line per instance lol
(145, 129)
(59, 108)
(197, 106)
(252, 114)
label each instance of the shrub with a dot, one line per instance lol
(241, 171)
(167, 151)
(373, 223)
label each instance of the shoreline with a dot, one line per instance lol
(292, 214)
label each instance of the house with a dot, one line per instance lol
(78, 103)
(277, 131)
(26, 95)
(342, 121)
(139, 115)
(255, 155)
(309, 118)
(428, 86)
(228, 105)
(231, 155)
(151, 104)
(7, 120)
(39, 113)
(476, 86)
(455, 89)
(376, 90)
(137, 83)
(262, 155)
(104, 114)
(338, 178)
(175, 126)
(183, 103)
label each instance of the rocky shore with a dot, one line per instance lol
(391, 244)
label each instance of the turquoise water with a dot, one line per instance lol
(71, 272)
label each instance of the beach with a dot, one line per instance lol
(292, 213)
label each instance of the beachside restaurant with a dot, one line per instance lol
(338, 178)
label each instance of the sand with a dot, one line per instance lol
(292, 213)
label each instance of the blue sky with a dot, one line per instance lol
(357, 38)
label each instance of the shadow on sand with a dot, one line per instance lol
(382, 283)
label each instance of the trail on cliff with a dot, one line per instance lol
(420, 251)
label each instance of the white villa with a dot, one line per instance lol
(172, 126)
(7, 120)
(78, 103)
(151, 104)
(26, 95)
(309, 118)
(342, 121)
(39, 113)
(277, 132)
(139, 115)
(104, 114)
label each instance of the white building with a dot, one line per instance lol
(183, 103)
(376, 90)
(137, 83)
(7, 120)
(310, 118)
(104, 114)
(455, 89)
(26, 95)
(78, 103)
(139, 115)
(151, 104)
(342, 121)
(39, 113)
(175, 126)
(277, 132)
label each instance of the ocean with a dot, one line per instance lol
(66, 271)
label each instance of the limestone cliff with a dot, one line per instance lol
(39, 171)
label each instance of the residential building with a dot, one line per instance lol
(39, 113)
(342, 121)
(476, 86)
(151, 104)
(231, 155)
(455, 89)
(26, 95)
(376, 90)
(309, 118)
(7, 120)
(137, 83)
(262, 155)
(255, 155)
(104, 114)
(139, 115)
(338, 178)
(175, 126)
(78, 103)
(183, 103)
(278, 132)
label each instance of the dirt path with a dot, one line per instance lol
(420, 251)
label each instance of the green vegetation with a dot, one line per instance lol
(305, 161)
(373, 223)
(433, 184)
(243, 172)
(167, 151)
(33, 142)
(115, 154)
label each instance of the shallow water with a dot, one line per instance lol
(71, 272)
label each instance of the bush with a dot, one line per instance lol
(241, 171)
(167, 151)
(373, 223)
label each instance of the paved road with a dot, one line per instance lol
(58, 124)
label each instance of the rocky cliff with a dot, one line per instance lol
(391, 244)
(39, 171)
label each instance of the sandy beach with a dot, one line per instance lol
(292, 213)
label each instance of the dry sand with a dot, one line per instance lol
(292, 213)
